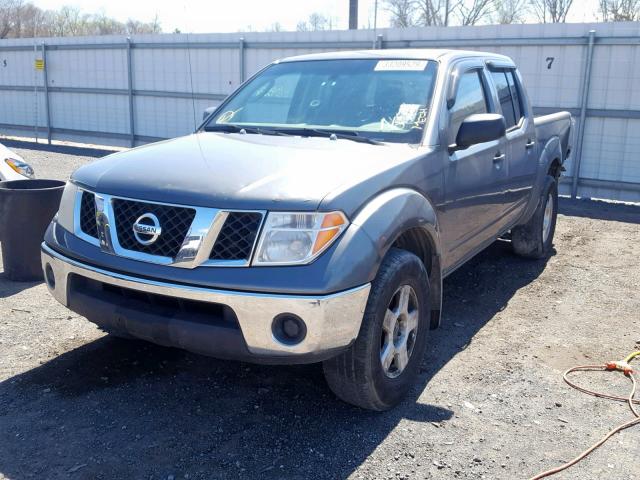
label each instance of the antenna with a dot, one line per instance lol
(375, 24)
(193, 98)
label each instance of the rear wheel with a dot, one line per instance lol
(534, 239)
(377, 371)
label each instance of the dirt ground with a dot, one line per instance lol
(490, 402)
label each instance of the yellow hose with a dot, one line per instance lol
(632, 356)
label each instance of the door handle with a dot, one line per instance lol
(498, 159)
(530, 143)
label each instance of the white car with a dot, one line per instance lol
(12, 166)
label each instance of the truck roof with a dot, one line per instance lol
(408, 53)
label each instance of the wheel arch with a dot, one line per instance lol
(555, 168)
(404, 218)
(549, 163)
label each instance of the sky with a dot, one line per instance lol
(204, 16)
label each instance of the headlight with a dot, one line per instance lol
(297, 238)
(20, 167)
(67, 207)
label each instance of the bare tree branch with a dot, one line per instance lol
(23, 19)
(620, 10)
(471, 12)
(402, 12)
(551, 11)
(9, 16)
(509, 11)
(433, 12)
(315, 22)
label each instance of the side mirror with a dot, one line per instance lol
(479, 128)
(207, 111)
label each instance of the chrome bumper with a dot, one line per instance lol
(332, 321)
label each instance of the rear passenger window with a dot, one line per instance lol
(508, 95)
(470, 99)
(515, 94)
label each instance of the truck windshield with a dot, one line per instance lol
(385, 100)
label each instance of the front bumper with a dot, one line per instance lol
(332, 321)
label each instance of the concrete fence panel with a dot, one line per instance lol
(129, 91)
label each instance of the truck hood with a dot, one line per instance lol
(234, 171)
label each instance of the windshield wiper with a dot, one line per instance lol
(318, 132)
(301, 131)
(232, 128)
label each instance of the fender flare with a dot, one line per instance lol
(390, 214)
(551, 151)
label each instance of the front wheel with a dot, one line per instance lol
(535, 238)
(380, 367)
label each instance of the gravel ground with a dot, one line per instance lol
(490, 402)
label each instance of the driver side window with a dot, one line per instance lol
(470, 99)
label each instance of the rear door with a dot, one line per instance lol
(475, 178)
(520, 138)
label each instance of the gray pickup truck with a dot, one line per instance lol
(314, 214)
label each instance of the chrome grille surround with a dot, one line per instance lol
(195, 249)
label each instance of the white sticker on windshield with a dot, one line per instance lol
(401, 65)
(407, 113)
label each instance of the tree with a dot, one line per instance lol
(402, 12)
(20, 19)
(9, 16)
(70, 21)
(31, 22)
(551, 11)
(136, 27)
(472, 12)
(275, 27)
(509, 11)
(314, 23)
(434, 12)
(620, 10)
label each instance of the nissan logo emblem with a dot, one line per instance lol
(147, 229)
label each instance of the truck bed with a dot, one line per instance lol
(555, 125)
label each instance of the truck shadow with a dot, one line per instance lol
(127, 409)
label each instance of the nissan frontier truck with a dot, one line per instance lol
(314, 214)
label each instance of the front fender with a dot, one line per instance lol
(394, 212)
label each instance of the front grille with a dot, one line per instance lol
(88, 215)
(174, 221)
(237, 236)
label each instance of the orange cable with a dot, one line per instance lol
(630, 400)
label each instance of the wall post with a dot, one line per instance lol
(132, 127)
(586, 82)
(241, 58)
(46, 92)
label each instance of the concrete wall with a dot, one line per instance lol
(96, 86)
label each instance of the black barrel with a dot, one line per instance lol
(26, 209)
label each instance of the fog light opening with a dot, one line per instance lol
(49, 277)
(289, 329)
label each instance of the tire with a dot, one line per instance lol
(117, 333)
(357, 376)
(534, 239)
